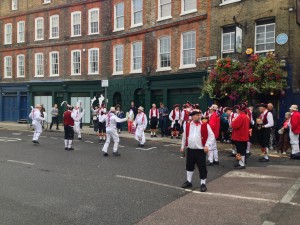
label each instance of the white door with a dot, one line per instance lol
(86, 105)
(46, 101)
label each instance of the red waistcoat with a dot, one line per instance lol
(203, 134)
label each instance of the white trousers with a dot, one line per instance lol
(213, 152)
(294, 140)
(140, 135)
(77, 128)
(37, 126)
(111, 133)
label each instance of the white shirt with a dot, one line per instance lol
(153, 113)
(269, 118)
(36, 115)
(139, 120)
(177, 115)
(112, 120)
(194, 139)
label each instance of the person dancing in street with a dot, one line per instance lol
(36, 118)
(141, 125)
(69, 116)
(214, 122)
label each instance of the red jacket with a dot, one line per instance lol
(295, 122)
(240, 128)
(214, 123)
(68, 120)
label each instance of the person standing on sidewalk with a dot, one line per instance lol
(284, 139)
(163, 119)
(174, 116)
(68, 127)
(141, 125)
(214, 122)
(36, 117)
(130, 116)
(154, 118)
(111, 132)
(264, 124)
(240, 135)
(294, 131)
(95, 112)
(54, 113)
(197, 137)
(272, 134)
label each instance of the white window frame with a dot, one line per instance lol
(255, 40)
(5, 68)
(183, 12)
(90, 20)
(226, 2)
(51, 27)
(18, 66)
(160, 18)
(222, 43)
(7, 40)
(36, 64)
(14, 5)
(72, 62)
(115, 72)
(20, 33)
(47, 1)
(132, 70)
(72, 24)
(193, 65)
(89, 58)
(159, 68)
(50, 64)
(116, 17)
(36, 29)
(132, 15)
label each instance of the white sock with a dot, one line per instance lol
(151, 133)
(66, 143)
(154, 133)
(202, 181)
(248, 147)
(234, 151)
(189, 175)
(242, 161)
(70, 144)
(266, 155)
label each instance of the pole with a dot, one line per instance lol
(105, 96)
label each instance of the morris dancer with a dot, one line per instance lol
(36, 118)
(197, 145)
(111, 129)
(153, 117)
(214, 122)
(294, 131)
(102, 123)
(141, 125)
(78, 112)
(68, 127)
(184, 118)
(174, 116)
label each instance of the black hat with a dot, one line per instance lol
(195, 113)
(176, 105)
(262, 105)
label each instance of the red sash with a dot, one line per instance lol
(264, 118)
(186, 115)
(203, 130)
(174, 114)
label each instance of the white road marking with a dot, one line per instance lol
(171, 145)
(26, 163)
(16, 133)
(252, 175)
(291, 192)
(121, 146)
(53, 138)
(6, 139)
(268, 223)
(146, 149)
(89, 142)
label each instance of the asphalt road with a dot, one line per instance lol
(44, 184)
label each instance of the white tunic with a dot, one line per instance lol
(112, 120)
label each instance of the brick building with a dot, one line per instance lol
(255, 25)
(55, 50)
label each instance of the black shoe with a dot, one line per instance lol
(177, 137)
(70, 149)
(203, 188)
(239, 167)
(57, 128)
(172, 137)
(33, 141)
(79, 138)
(248, 155)
(187, 185)
(116, 154)
(100, 140)
(105, 154)
(151, 136)
(263, 160)
(154, 135)
(142, 145)
(162, 136)
(210, 164)
(236, 165)
(216, 163)
(66, 148)
(139, 144)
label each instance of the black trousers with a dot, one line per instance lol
(69, 132)
(263, 137)
(198, 157)
(54, 120)
(241, 147)
(153, 122)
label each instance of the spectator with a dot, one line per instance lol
(163, 119)
(284, 139)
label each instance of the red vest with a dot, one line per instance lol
(68, 120)
(264, 118)
(174, 114)
(151, 112)
(186, 115)
(204, 133)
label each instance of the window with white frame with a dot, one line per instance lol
(228, 39)
(54, 26)
(8, 33)
(137, 13)
(164, 53)
(76, 62)
(54, 63)
(76, 23)
(39, 64)
(14, 5)
(39, 28)
(265, 36)
(188, 46)
(118, 59)
(47, 1)
(188, 6)
(7, 67)
(94, 61)
(136, 62)
(21, 31)
(94, 21)
(119, 16)
(21, 66)
(164, 9)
